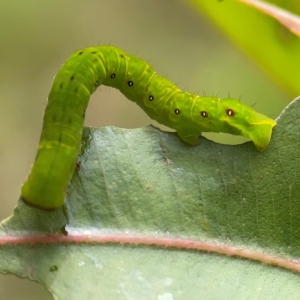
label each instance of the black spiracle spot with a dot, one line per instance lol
(96, 83)
(130, 83)
(151, 98)
(204, 114)
(177, 111)
(230, 112)
(94, 52)
(61, 85)
(113, 75)
(72, 78)
(80, 53)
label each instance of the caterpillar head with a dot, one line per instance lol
(212, 114)
(247, 122)
(260, 131)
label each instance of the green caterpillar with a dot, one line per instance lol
(79, 77)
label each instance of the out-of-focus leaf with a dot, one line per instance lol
(271, 44)
(289, 20)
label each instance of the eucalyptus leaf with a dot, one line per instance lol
(147, 184)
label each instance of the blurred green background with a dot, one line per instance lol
(38, 36)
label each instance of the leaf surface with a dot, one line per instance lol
(142, 198)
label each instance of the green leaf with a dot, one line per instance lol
(272, 45)
(142, 198)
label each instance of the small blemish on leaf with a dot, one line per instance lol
(53, 268)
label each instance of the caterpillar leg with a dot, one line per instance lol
(190, 139)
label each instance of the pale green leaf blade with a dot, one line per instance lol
(286, 18)
(271, 44)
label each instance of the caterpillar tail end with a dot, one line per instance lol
(49, 178)
(37, 205)
(33, 198)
